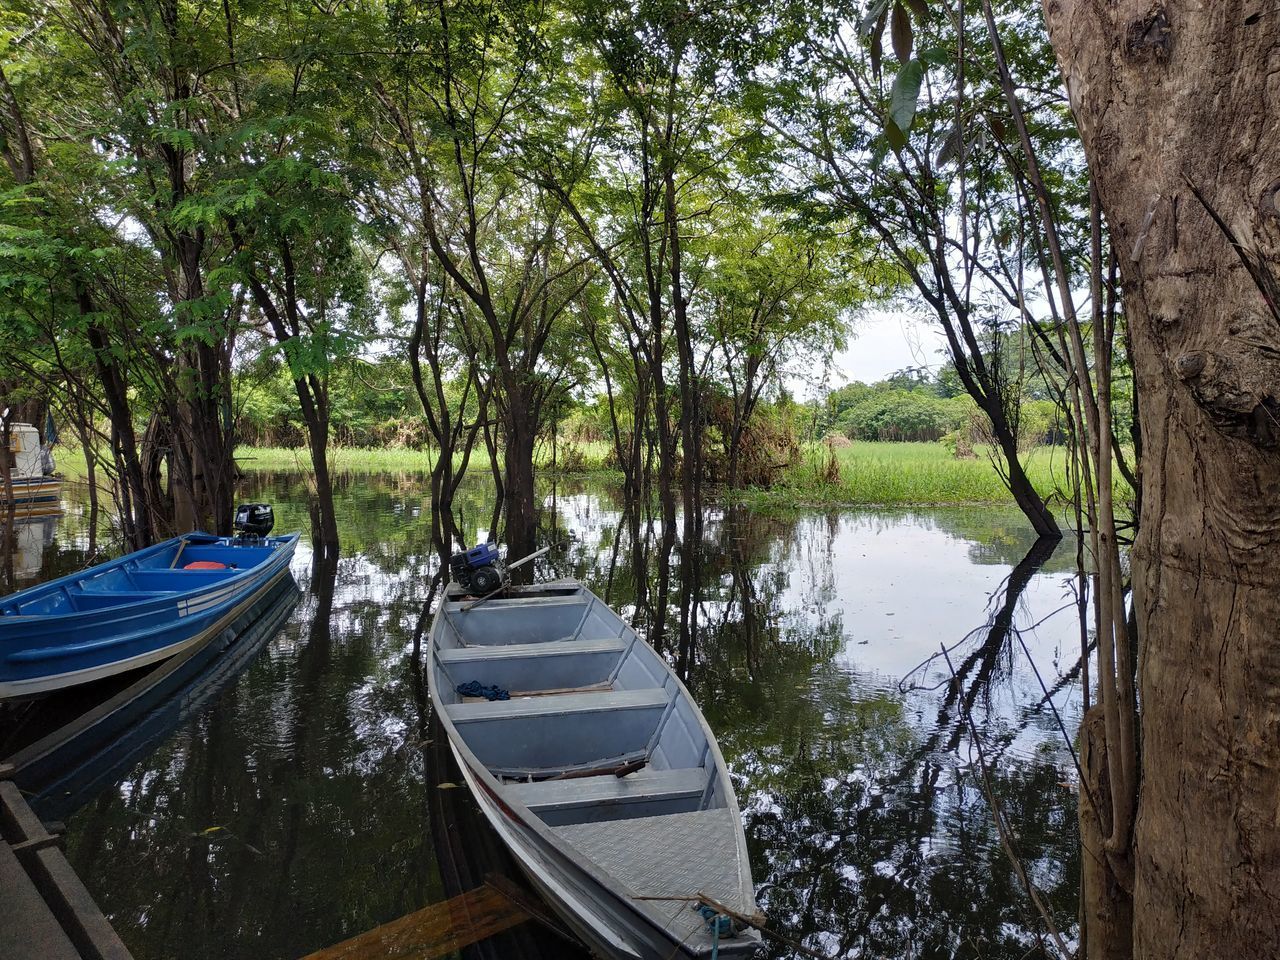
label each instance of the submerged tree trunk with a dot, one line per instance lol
(136, 515)
(1176, 104)
(522, 517)
(1024, 493)
(324, 519)
(1106, 908)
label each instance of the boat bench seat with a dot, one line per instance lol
(179, 580)
(523, 651)
(501, 622)
(571, 704)
(645, 793)
(529, 667)
(560, 732)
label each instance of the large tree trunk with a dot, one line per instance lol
(522, 517)
(1172, 99)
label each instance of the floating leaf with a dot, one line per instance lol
(447, 785)
(900, 32)
(208, 830)
(905, 93)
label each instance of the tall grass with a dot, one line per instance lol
(910, 473)
(571, 458)
(864, 473)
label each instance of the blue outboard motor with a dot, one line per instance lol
(478, 570)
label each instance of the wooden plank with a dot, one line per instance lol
(434, 931)
(18, 821)
(63, 897)
(27, 928)
(74, 907)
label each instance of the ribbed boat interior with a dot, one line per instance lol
(588, 702)
(599, 740)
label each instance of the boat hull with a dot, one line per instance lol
(84, 628)
(621, 871)
(604, 924)
(33, 497)
(70, 765)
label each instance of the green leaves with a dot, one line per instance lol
(900, 30)
(873, 22)
(902, 100)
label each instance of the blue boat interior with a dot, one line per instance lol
(171, 568)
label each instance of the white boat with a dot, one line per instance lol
(36, 491)
(599, 773)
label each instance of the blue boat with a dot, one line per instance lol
(134, 611)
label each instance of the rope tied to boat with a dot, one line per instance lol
(755, 921)
(718, 923)
(474, 688)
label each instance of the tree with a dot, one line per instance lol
(145, 66)
(284, 194)
(862, 146)
(775, 293)
(1182, 144)
(499, 241)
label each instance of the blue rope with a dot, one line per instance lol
(718, 924)
(475, 688)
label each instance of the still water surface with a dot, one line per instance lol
(297, 808)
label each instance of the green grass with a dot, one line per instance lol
(384, 460)
(581, 458)
(908, 473)
(869, 473)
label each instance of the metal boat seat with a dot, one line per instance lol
(524, 620)
(645, 793)
(561, 732)
(536, 666)
(651, 857)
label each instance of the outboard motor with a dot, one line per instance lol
(478, 570)
(254, 519)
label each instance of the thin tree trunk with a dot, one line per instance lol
(7, 522)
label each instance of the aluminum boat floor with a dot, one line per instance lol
(650, 855)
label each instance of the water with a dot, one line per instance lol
(299, 807)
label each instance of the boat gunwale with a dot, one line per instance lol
(285, 543)
(555, 846)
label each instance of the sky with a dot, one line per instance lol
(883, 342)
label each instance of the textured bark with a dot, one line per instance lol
(1106, 908)
(1172, 99)
(522, 507)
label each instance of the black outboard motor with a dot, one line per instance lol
(478, 570)
(254, 519)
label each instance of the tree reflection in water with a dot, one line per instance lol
(303, 806)
(869, 831)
